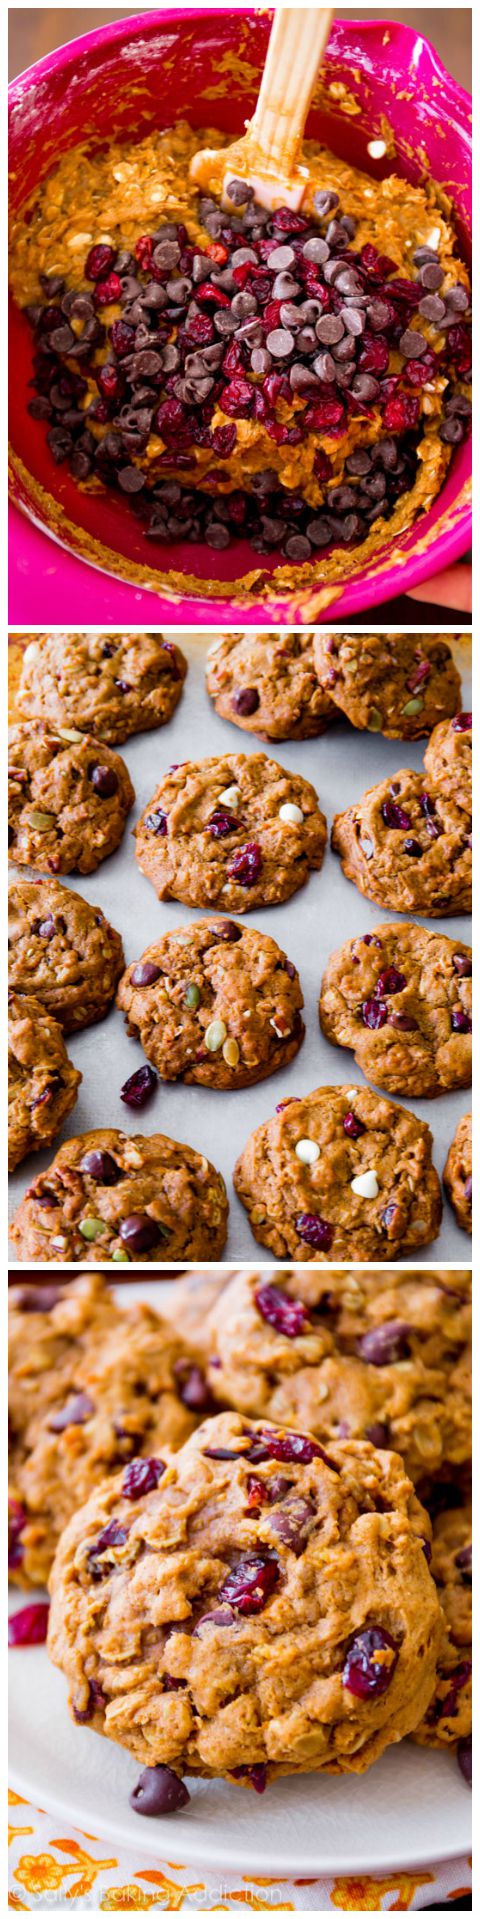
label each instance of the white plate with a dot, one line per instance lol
(319, 918)
(413, 1807)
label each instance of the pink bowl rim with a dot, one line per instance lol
(361, 594)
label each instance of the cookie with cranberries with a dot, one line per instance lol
(267, 684)
(268, 1619)
(42, 1083)
(399, 684)
(236, 831)
(109, 1197)
(457, 1173)
(214, 1003)
(118, 1399)
(62, 950)
(68, 799)
(448, 1718)
(408, 846)
(340, 1174)
(401, 998)
(382, 1355)
(106, 684)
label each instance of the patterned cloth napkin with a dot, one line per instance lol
(52, 1869)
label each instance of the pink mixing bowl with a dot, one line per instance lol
(125, 79)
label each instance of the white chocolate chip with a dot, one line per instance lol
(366, 1184)
(231, 796)
(30, 652)
(376, 149)
(308, 1151)
(292, 815)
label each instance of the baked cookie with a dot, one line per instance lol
(236, 831)
(189, 1304)
(269, 1620)
(47, 1324)
(267, 683)
(377, 1355)
(407, 848)
(449, 1716)
(109, 1197)
(340, 1172)
(448, 759)
(457, 1173)
(68, 799)
(401, 998)
(107, 684)
(62, 950)
(120, 1397)
(214, 1003)
(399, 684)
(42, 1083)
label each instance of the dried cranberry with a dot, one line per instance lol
(401, 413)
(292, 1524)
(462, 723)
(122, 338)
(144, 250)
(29, 1626)
(315, 1231)
(170, 418)
(463, 965)
(223, 440)
(463, 1560)
(222, 822)
(257, 1776)
(139, 1087)
(289, 1448)
(385, 1345)
(288, 1316)
(367, 1672)
(464, 1758)
(249, 1584)
(158, 1791)
(413, 848)
(209, 295)
(142, 1476)
(16, 1521)
(374, 354)
(395, 816)
(112, 1535)
(157, 823)
(95, 1703)
(461, 1022)
(352, 1126)
(108, 381)
(107, 291)
(199, 330)
(391, 981)
(246, 864)
(98, 262)
(374, 1013)
(237, 397)
(193, 1389)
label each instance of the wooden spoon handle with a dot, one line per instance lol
(296, 46)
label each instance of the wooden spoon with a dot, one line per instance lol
(267, 155)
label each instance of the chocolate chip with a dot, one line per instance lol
(104, 781)
(216, 535)
(329, 329)
(325, 200)
(166, 255)
(431, 277)
(62, 339)
(298, 547)
(324, 367)
(433, 308)
(246, 700)
(282, 257)
(101, 1166)
(457, 298)
(280, 343)
(131, 479)
(451, 431)
(141, 1233)
(238, 192)
(284, 287)
(243, 305)
(261, 360)
(359, 462)
(145, 974)
(226, 930)
(158, 1791)
(353, 320)
(412, 345)
(316, 250)
(365, 388)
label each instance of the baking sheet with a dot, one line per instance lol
(319, 918)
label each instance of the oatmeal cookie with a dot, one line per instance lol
(270, 1603)
(449, 1715)
(401, 998)
(448, 760)
(46, 1325)
(237, 831)
(42, 1083)
(340, 1172)
(68, 799)
(109, 1197)
(407, 848)
(399, 684)
(107, 684)
(457, 1173)
(62, 950)
(214, 1003)
(377, 1355)
(116, 1398)
(267, 683)
(189, 1304)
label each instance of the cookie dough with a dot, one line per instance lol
(116, 1398)
(267, 684)
(401, 998)
(449, 1715)
(109, 1197)
(68, 799)
(236, 831)
(448, 759)
(266, 1608)
(399, 684)
(107, 684)
(340, 1172)
(377, 1355)
(42, 1083)
(215, 1003)
(407, 846)
(62, 950)
(457, 1175)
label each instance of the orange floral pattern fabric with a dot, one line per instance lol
(73, 1869)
